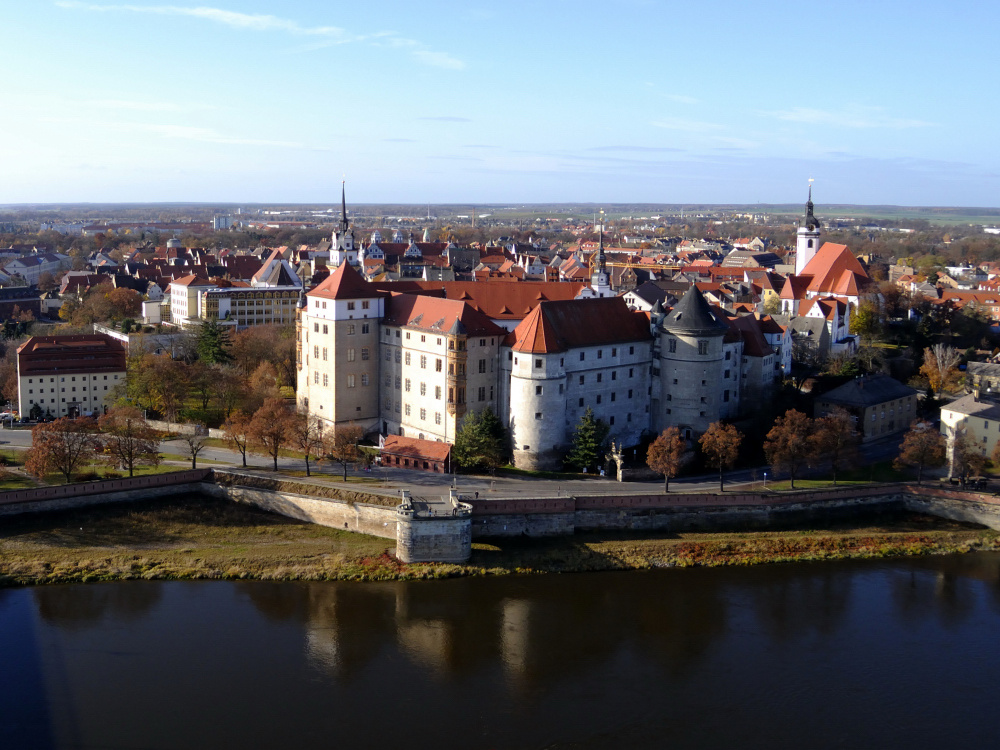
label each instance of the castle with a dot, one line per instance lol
(413, 358)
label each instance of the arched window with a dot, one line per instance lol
(810, 243)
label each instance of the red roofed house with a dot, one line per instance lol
(69, 376)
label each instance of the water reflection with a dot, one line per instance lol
(773, 656)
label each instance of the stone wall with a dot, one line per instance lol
(434, 539)
(81, 495)
(376, 520)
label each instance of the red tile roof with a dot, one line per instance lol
(498, 299)
(439, 316)
(558, 326)
(425, 450)
(344, 283)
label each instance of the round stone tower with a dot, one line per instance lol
(693, 366)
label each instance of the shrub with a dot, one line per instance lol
(113, 475)
(88, 476)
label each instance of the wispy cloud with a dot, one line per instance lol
(688, 126)
(179, 132)
(326, 35)
(638, 149)
(446, 118)
(851, 117)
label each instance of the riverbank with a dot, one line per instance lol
(203, 538)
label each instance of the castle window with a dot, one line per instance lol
(672, 345)
(406, 410)
(600, 353)
(423, 339)
(423, 389)
(351, 354)
(406, 359)
(614, 375)
(614, 351)
(407, 386)
(482, 365)
(388, 355)
(729, 355)
(326, 328)
(583, 356)
(364, 304)
(365, 353)
(437, 417)
(423, 414)
(611, 421)
(702, 347)
(582, 379)
(538, 415)
(316, 377)
(398, 382)
(350, 381)
(538, 390)
(598, 398)
(629, 417)
(388, 381)
(482, 342)
(365, 327)
(315, 326)
(809, 244)
(630, 372)
(612, 396)
(599, 377)
(326, 380)
(350, 329)
(437, 392)
(725, 396)
(437, 365)
(324, 354)
(560, 388)
(350, 305)
(482, 393)
(670, 397)
(538, 363)
(580, 403)
(631, 350)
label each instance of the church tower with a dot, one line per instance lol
(807, 238)
(600, 281)
(342, 245)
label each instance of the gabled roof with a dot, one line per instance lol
(559, 326)
(438, 316)
(499, 300)
(344, 283)
(425, 450)
(868, 391)
(829, 266)
(191, 280)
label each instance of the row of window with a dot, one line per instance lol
(62, 390)
(351, 380)
(72, 379)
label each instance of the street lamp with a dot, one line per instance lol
(765, 481)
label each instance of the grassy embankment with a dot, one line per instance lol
(200, 538)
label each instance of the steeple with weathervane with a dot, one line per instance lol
(807, 237)
(600, 281)
(342, 244)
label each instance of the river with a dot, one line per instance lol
(861, 654)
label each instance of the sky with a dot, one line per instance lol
(655, 101)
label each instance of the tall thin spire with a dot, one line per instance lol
(343, 202)
(601, 259)
(811, 222)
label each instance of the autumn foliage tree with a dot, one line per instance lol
(940, 367)
(836, 439)
(968, 458)
(922, 446)
(306, 435)
(788, 446)
(63, 445)
(721, 446)
(666, 454)
(236, 431)
(270, 429)
(126, 439)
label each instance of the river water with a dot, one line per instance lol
(865, 654)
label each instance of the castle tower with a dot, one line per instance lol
(342, 244)
(807, 237)
(339, 362)
(699, 372)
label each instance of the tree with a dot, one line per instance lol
(341, 445)
(922, 446)
(481, 442)
(837, 439)
(230, 390)
(968, 458)
(237, 433)
(589, 438)
(866, 320)
(194, 443)
(213, 343)
(307, 435)
(203, 380)
(270, 428)
(940, 367)
(127, 440)
(787, 445)
(63, 445)
(666, 454)
(721, 446)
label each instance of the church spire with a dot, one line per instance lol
(343, 203)
(811, 222)
(601, 257)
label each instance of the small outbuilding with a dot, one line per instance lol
(880, 405)
(414, 453)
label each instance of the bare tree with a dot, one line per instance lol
(270, 428)
(836, 439)
(307, 435)
(63, 445)
(341, 445)
(194, 444)
(237, 433)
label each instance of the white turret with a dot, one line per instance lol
(342, 247)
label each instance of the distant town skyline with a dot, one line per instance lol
(642, 101)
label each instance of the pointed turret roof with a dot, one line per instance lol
(344, 283)
(810, 222)
(692, 316)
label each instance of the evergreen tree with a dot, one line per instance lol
(213, 343)
(481, 442)
(588, 442)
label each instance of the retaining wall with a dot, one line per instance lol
(97, 493)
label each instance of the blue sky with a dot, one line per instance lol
(635, 100)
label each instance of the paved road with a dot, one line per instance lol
(422, 484)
